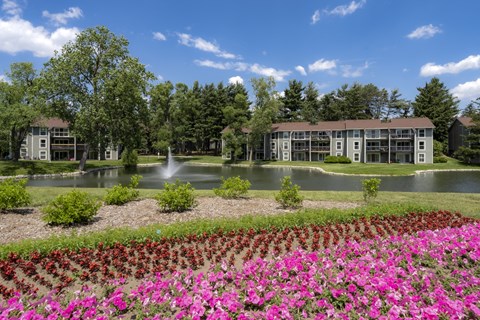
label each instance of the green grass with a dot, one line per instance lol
(396, 169)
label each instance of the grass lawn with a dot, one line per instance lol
(465, 203)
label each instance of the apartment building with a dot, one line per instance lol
(405, 140)
(51, 139)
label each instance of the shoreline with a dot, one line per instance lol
(80, 173)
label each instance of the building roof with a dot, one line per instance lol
(50, 123)
(466, 121)
(411, 123)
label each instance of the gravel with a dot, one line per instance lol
(26, 223)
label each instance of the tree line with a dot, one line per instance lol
(110, 98)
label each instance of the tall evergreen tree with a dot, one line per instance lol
(292, 102)
(310, 110)
(396, 106)
(160, 129)
(435, 102)
(236, 115)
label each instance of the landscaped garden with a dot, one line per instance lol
(369, 261)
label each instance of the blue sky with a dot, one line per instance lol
(390, 43)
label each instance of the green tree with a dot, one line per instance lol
(471, 152)
(435, 102)
(311, 105)
(472, 110)
(236, 115)
(19, 107)
(396, 106)
(292, 102)
(95, 85)
(264, 112)
(161, 124)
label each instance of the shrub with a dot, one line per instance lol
(119, 194)
(233, 187)
(370, 188)
(129, 158)
(13, 194)
(73, 207)
(440, 159)
(337, 159)
(176, 196)
(289, 196)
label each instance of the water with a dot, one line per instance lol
(206, 177)
(171, 168)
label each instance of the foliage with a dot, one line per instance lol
(119, 195)
(176, 196)
(337, 159)
(95, 85)
(129, 158)
(438, 148)
(13, 194)
(289, 195)
(232, 188)
(370, 188)
(440, 159)
(435, 102)
(73, 207)
(19, 107)
(236, 117)
(310, 108)
(470, 152)
(292, 102)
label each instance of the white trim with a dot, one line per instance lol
(40, 143)
(358, 155)
(339, 134)
(40, 131)
(285, 145)
(341, 145)
(338, 154)
(356, 136)
(424, 133)
(356, 143)
(42, 154)
(424, 158)
(273, 145)
(424, 145)
(286, 156)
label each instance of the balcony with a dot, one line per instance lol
(320, 137)
(376, 148)
(300, 148)
(320, 148)
(401, 148)
(402, 136)
(62, 146)
(300, 137)
(376, 136)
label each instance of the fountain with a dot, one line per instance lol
(172, 166)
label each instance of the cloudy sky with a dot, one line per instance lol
(390, 43)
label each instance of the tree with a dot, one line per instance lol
(236, 116)
(18, 106)
(310, 109)
(292, 102)
(397, 107)
(436, 103)
(161, 108)
(264, 111)
(472, 109)
(95, 85)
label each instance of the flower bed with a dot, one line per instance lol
(62, 269)
(430, 275)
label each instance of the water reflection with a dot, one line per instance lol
(206, 177)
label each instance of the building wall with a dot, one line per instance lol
(456, 136)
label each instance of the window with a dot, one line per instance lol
(286, 156)
(285, 145)
(356, 133)
(421, 133)
(421, 145)
(42, 155)
(339, 145)
(272, 136)
(339, 134)
(43, 143)
(285, 135)
(60, 132)
(356, 145)
(43, 131)
(375, 134)
(373, 157)
(273, 146)
(421, 158)
(273, 156)
(108, 154)
(300, 135)
(339, 154)
(356, 157)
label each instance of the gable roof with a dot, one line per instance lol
(466, 121)
(50, 123)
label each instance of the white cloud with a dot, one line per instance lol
(159, 36)
(11, 8)
(235, 80)
(316, 16)
(62, 18)
(322, 65)
(469, 63)
(3, 78)
(345, 10)
(301, 70)
(278, 75)
(17, 35)
(424, 32)
(159, 77)
(349, 71)
(204, 45)
(468, 90)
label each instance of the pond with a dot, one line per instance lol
(208, 177)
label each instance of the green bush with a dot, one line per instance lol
(370, 188)
(73, 207)
(233, 187)
(289, 196)
(440, 159)
(13, 194)
(176, 196)
(119, 194)
(129, 158)
(337, 159)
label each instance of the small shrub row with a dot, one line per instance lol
(232, 188)
(13, 194)
(440, 159)
(337, 159)
(120, 195)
